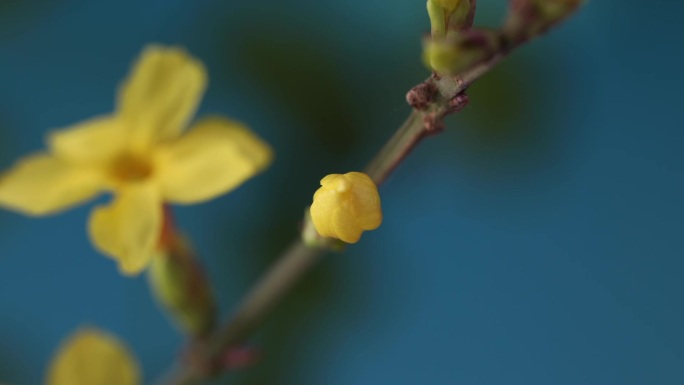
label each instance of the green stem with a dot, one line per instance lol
(397, 148)
(277, 282)
(267, 293)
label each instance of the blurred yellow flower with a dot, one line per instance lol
(142, 155)
(93, 357)
(345, 206)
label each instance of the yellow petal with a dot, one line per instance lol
(345, 226)
(42, 184)
(91, 357)
(365, 202)
(326, 201)
(161, 94)
(214, 157)
(95, 140)
(128, 229)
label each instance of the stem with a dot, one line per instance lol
(413, 130)
(397, 148)
(296, 261)
(300, 257)
(277, 282)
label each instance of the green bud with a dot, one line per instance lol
(449, 5)
(450, 15)
(179, 285)
(438, 18)
(459, 52)
(441, 56)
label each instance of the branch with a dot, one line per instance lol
(432, 101)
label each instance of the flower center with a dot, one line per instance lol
(131, 168)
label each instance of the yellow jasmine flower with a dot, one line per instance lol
(345, 206)
(142, 155)
(91, 357)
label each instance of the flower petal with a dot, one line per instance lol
(43, 184)
(365, 202)
(325, 204)
(214, 157)
(161, 94)
(345, 226)
(129, 228)
(95, 140)
(90, 357)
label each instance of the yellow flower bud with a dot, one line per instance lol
(345, 206)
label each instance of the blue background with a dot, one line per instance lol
(537, 241)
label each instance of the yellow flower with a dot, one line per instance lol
(345, 206)
(91, 357)
(142, 155)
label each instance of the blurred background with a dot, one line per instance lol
(537, 241)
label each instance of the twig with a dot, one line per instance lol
(444, 96)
